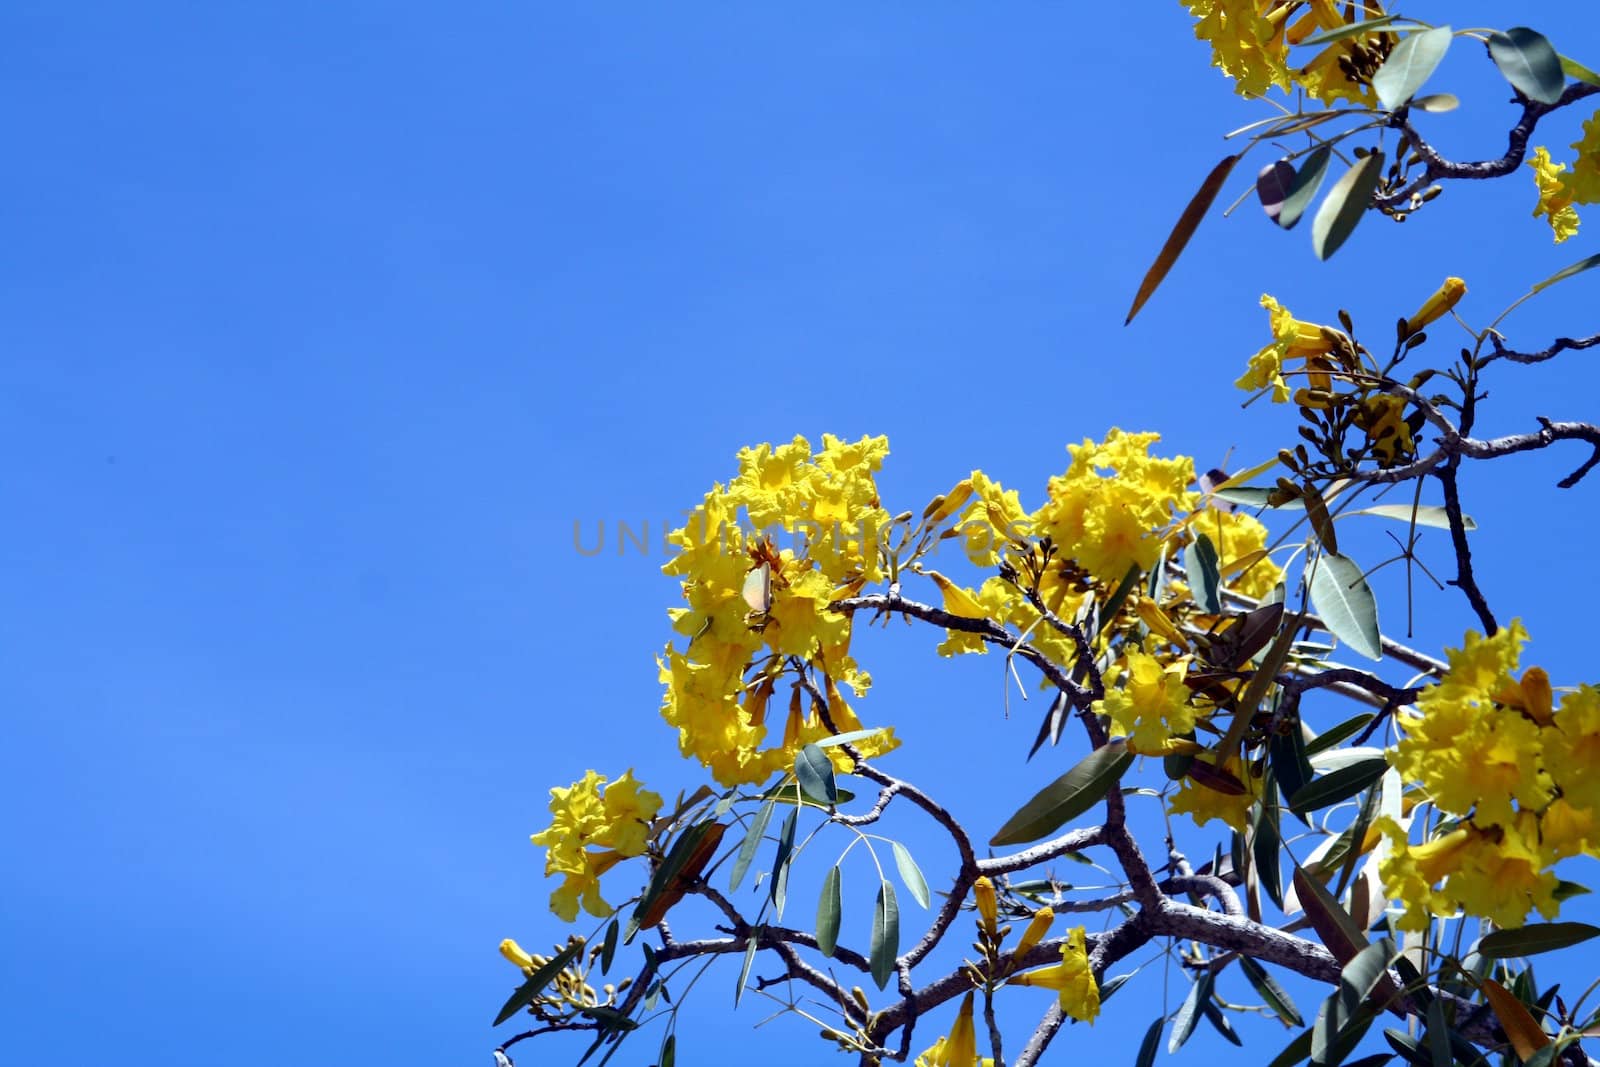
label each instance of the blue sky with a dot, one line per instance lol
(324, 324)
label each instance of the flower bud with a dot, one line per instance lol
(1038, 926)
(513, 952)
(983, 897)
(1438, 305)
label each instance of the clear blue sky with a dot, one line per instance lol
(323, 323)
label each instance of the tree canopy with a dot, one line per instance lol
(1273, 787)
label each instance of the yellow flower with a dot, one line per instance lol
(1203, 803)
(617, 820)
(1152, 705)
(1292, 339)
(1113, 521)
(515, 954)
(1438, 305)
(1583, 184)
(1555, 199)
(1072, 979)
(716, 689)
(1495, 873)
(1246, 46)
(1572, 748)
(993, 519)
(1409, 872)
(1470, 753)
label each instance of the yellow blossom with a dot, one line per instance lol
(1438, 305)
(1470, 753)
(1072, 978)
(1203, 803)
(616, 819)
(1583, 183)
(1151, 704)
(515, 954)
(1115, 520)
(1245, 45)
(1292, 339)
(1555, 198)
(1572, 748)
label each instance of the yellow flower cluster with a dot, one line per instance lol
(1152, 705)
(1559, 188)
(616, 819)
(1111, 509)
(1250, 42)
(718, 687)
(1072, 979)
(1516, 772)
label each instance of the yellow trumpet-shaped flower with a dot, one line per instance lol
(1072, 979)
(514, 952)
(1438, 305)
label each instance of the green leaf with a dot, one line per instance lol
(1265, 842)
(1408, 1048)
(829, 907)
(1335, 734)
(1205, 577)
(1410, 64)
(1423, 515)
(1350, 29)
(814, 771)
(849, 738)
(1151, 1042)
(752, 942)
(1332, 923)
(1189, 1013)
(1566, 890)
(1067, 797)
(1254, 496)
(1341, 784)
(1346, 202)
(1214, 1016)
(1268, 989)
(1566, 272)
(1437, 103)
(1288, 757)
(1529, 63)
(790, 795)
(779, 886)
(1295, 1051)
(608, 950)
(1303, 190)
(1439, 1036)
(536, 982)
(1357, 978)
(1188, 222)
(910, 874)
(1573, 69)
(1532, 940)
(1346, 604)
(669, 1052)
(752, 842)
(885, 944)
